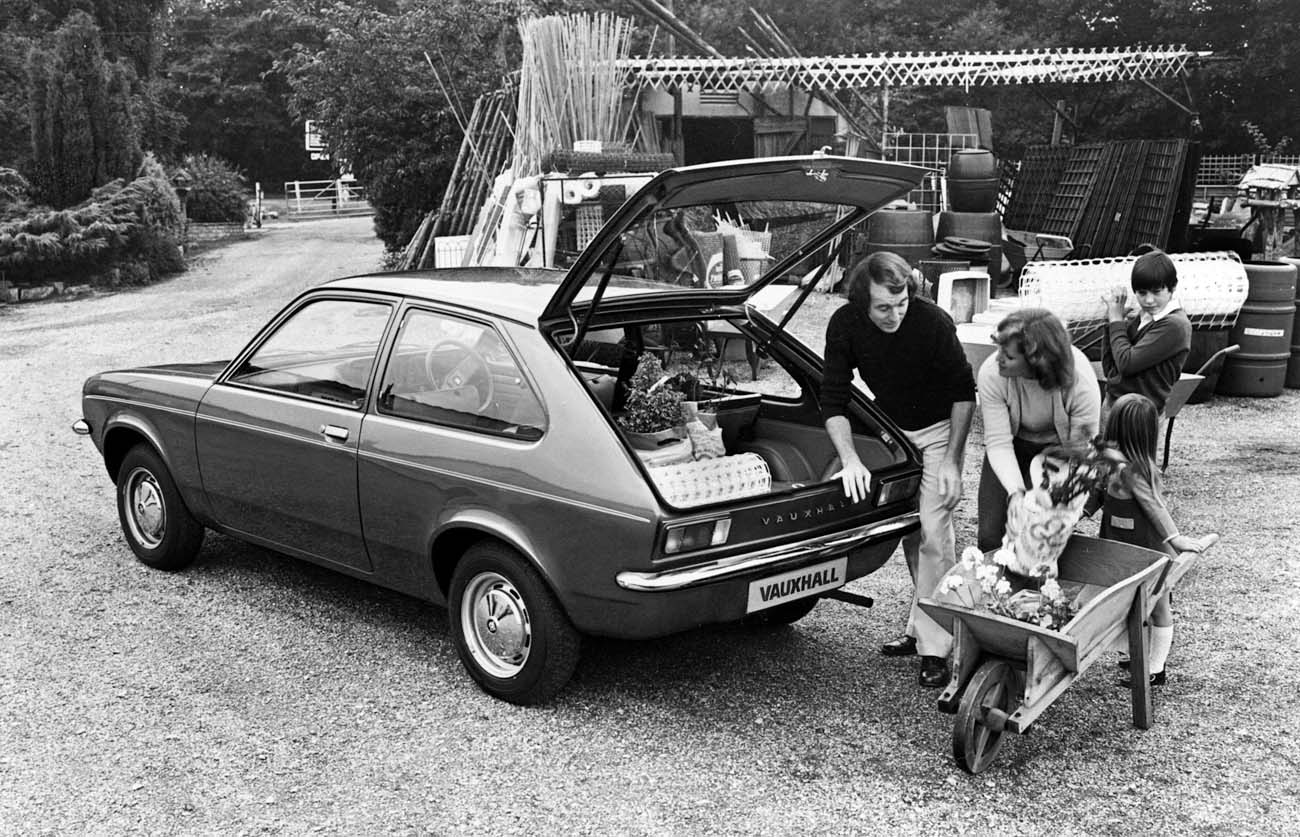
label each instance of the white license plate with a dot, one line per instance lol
(796, 584)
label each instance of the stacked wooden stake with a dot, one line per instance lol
(570, 86)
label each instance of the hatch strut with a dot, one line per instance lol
(803, 295)
(580, 331)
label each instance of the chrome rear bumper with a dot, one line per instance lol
(735, 565)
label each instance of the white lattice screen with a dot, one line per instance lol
(914, 69)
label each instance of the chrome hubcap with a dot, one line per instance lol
(146, 514)
(495, 623)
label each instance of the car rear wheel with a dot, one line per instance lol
(510, 631)
(159, 529)
(782, 614)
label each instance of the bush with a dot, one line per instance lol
(217, 190)
(15, 194)
(134, 223)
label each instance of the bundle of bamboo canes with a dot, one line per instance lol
(570, 86)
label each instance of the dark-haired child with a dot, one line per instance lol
(1145, 353)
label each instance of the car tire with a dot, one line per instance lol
(512, 636)
(158, 527)
(782, 614)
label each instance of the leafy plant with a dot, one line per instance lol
(651, 404)
(1261, 142)
(217, 190)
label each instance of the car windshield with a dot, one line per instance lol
(715, 246)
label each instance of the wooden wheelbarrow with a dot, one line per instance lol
(1005, 672)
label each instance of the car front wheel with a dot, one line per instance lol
(159, 529)
(510, 631)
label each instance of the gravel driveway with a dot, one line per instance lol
(254, 694)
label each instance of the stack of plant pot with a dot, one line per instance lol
(973, 195)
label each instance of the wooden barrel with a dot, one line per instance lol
(907, 232)
(972, 181)
(1293, 365)
(982, 226)
(1263, 331)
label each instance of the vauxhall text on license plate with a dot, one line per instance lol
(796, 584)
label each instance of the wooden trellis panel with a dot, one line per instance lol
(1072, 191)
(1035, 183)
(1162, 175)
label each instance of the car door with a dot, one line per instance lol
(454, 427)
(277, 434)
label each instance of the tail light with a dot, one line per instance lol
(891, 491)
(686, 537)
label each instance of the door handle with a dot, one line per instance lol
(333, 431)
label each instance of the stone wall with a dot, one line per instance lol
(208, 231)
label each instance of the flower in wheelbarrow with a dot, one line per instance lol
(1004, 557)
(971, 557)
(950, 583)
(1051, 589)
(987, 575)
(1002, 588)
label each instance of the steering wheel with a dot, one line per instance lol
(469, 370)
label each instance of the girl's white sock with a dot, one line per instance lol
(1162, 639)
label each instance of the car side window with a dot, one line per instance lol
(324, 350)
(457, 372)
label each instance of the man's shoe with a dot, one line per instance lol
(1157, 679)
(904, 646)
(934, 672)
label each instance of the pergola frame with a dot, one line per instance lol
(915, 69)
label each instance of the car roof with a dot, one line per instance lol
(515, 293)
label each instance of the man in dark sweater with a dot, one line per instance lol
(1145, 353)
(907, 352)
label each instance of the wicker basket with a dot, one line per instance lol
(1211, 287)
(705, 481)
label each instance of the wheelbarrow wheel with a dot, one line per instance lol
(981, 717)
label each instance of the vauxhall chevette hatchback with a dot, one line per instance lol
(464, 435)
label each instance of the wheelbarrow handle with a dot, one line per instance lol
(1225, 351)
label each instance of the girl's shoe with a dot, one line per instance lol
(1157, 679)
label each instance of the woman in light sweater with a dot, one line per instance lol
(1035, 391)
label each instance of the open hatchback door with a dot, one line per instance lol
(716, 234)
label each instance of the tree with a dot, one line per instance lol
(83, 129)
(380, 105)
(220, 66)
